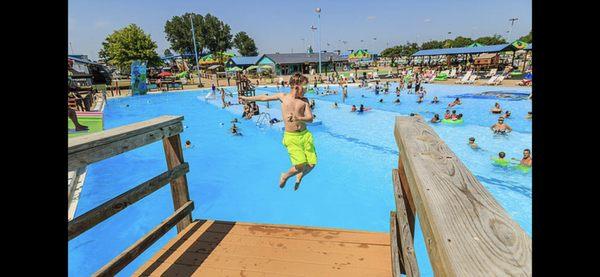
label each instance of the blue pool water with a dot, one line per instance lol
(235, 178)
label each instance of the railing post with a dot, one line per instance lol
(408, 199)
(179, 187)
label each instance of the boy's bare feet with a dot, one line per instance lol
(282, 179)
(297, 185)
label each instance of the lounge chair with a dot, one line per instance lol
(465, 78)
(492, 72)
(526, 80)
(452, 73)
(471, 79)
(498, 80)
(492, 80)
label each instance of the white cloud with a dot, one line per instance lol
(427, 20)
(371, 17)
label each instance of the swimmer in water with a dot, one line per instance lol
(526, 160)
(397, 101)
(454, 116)
(353, 108)
(501, 156)
(500, 127)
(235, 130)
(436, 118)
(420, 100)
(455, 102)
(447, 115)
(507, 114)
(361, 108)
(188, 144)
(496, 108)
(435, 100)
(381, 100)
(335, 105)
(529, 115)
(472, 143)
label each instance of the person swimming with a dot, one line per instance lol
(420, 100)
(188, 144)
(496, 108)
(526, 160)
(436, 119)
(353, 108)
(455, 102)
(235, 130)
(335, 105)
(381, 100)
(435, 100)
(397, 101)
(500, 127)
(454, 116)
(447, 115)
(529, 115)
(472, 143)
(361, 108)
(507, 114)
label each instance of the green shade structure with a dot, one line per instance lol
(519, 44)
(252, 67)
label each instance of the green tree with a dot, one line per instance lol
(432, 44)
(178, 32)
(462, 41)
(244, 44)
(124, 46)
(526, 38)
(168, 53)
(491, 40)
(216, 34)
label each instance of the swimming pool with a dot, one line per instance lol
(235, 178)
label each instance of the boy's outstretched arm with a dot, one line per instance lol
(262, 97)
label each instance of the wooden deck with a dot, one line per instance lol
(219, 248)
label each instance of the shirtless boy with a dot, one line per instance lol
(500, 127)
(297, 139)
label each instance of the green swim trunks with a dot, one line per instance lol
(300, 146)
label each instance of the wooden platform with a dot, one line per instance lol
(219, 248)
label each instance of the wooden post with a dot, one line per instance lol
(408, 199)
(179, 187)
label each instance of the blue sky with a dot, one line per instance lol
(280, 26)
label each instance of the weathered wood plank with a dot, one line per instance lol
(397, 267)
(93, 217)
(115, 134)
(114, 142)
(409, 203)
(132, 252)
(404, 231)
(179, 186)
(466, 231)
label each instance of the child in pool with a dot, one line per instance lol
(507, 114)
(436, 118)
(454, 116)
(447, 115)
(435, 100)
(353, 108)
(188, 144)
(472, 143)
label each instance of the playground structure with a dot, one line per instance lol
(244, 86)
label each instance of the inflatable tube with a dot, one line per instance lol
(450, 121)
(501, 162)
(523, 168)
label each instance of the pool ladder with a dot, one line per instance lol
(263, 118)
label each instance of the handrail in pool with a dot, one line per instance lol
(466, 231)
(95, 147)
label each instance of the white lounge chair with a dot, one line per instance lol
(492, 80)
(452, 73)
(498, 80)
(471, 79)
(492, 72)
(465, 78)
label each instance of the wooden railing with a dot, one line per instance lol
(95, 147)
(466, 231)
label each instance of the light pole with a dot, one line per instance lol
(304, 45)
(195, 51)
(318, 10)
(512, 22)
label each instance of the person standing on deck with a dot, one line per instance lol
(297, 139)
(344, 93)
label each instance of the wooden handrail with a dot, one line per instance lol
(95, 147)
(404, 232)
(111, 207)
(397, 267)
(132, 252)
(467, 232)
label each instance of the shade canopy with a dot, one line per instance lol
(252, 67)
(235, 68)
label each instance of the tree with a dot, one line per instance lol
(124, 46)
(216, 34)
(493, 40)
(526, 38)
(244, 44)
(168, 53)
(432, 44)
(178, 32)
(462, 41)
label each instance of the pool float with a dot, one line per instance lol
(450, 121)
(523, 168)
(501, 162)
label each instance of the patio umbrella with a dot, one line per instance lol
(235, 68)
(165, 74)
(252, 67)
(265, 67)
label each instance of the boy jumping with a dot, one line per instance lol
(297, 139)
